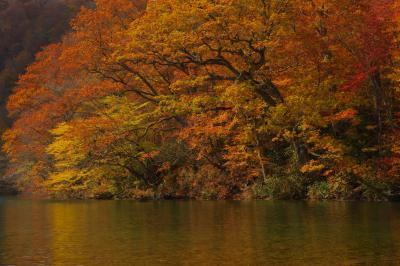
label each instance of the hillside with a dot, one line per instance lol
(25, 27)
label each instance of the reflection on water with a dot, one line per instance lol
(198, 233)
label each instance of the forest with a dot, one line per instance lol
(25, 27)
(213, 99)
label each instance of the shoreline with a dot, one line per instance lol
(177, 199)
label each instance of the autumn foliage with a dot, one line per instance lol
(214, 99)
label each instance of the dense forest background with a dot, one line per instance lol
(221, 99)
(26, 26)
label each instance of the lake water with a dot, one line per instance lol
(198, 233)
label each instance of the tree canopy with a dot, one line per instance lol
(214, 99)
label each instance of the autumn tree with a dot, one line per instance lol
(214, 99)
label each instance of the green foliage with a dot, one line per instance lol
(280, 187)
(319, 191)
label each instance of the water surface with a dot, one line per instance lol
(34, 232)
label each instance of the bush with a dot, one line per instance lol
(319, 191)
(287, 187)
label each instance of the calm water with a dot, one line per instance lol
(198, 233)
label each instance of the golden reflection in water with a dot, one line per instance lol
(70, 233)
(198, 233)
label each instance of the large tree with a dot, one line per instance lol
(214, 99)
